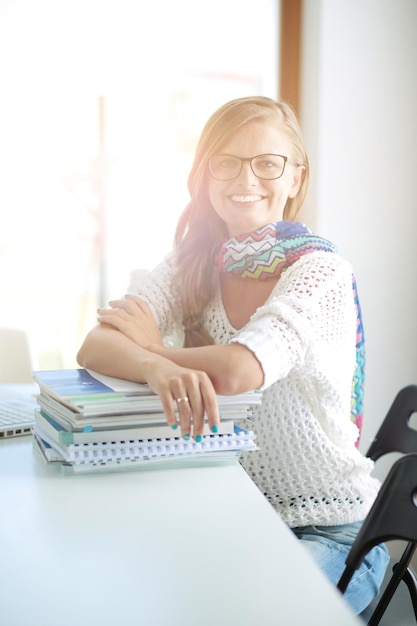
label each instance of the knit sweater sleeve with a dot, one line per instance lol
(156, 288)
(308, 323)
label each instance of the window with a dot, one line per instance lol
(92, 93)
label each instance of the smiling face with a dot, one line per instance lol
(247, 202)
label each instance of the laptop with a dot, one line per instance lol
(17, 409)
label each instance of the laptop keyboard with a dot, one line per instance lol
(16, 417)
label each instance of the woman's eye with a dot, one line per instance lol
(228, 163)
(266, 164)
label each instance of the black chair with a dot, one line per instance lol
(392, 516)
(394, 513)
(395, 434)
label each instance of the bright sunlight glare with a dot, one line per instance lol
(102, 104)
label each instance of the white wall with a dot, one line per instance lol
(359, 113)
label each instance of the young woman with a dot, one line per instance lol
(250, 298)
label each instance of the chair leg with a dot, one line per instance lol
(411, 582)
(399, 572)
(345, 578)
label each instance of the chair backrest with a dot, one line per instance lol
(394, 512)
(395, 433)
(15, 356)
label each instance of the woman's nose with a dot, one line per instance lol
(246, 174)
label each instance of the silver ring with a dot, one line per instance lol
(183, 399)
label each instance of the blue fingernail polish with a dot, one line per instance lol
(199, 438)
(187, 436)
(174, 426)
(214, 428)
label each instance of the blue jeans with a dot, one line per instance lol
(329, 547)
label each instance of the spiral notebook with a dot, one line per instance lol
(148, 454)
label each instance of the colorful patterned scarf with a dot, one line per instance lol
(269, 251)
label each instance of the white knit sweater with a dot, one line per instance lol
(304, 337)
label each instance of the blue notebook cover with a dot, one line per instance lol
(72, 383)
(80, 390)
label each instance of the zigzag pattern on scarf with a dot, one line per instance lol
(264, 254)
(268, 252)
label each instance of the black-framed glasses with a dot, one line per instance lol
(265, 166)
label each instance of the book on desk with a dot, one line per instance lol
(88, 422)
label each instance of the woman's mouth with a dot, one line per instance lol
(245, 198)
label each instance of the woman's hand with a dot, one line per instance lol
(132, 317)
(187, 396)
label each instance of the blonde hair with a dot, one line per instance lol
(199, 229)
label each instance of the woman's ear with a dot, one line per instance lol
(298, 177)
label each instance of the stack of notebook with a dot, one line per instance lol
(88, 422)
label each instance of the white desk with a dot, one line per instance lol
(185, 547)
